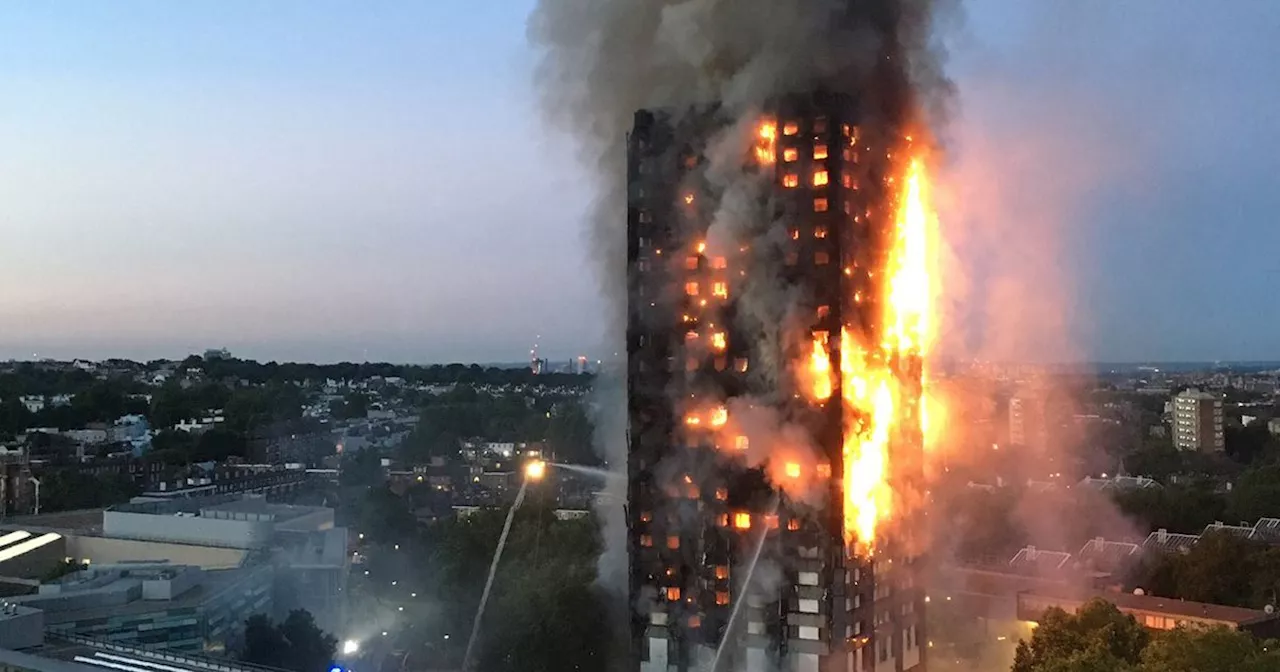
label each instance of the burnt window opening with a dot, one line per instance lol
(823, 312)
(790, 128)
(820, 205)
(821, 258)
(821, 178)
(820, 125)
(691, 263)
(791, 181)
(790, 154)
(819, 232)
(719, 263)
(819, 152)
(673, 542)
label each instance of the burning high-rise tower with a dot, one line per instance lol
(795, 444)
(777, 316)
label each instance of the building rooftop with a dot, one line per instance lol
(1241, 531)
(1107, 556)
(1032, 560)
(1164, 541)
(1068, 598)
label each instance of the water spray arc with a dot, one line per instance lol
(534, 471)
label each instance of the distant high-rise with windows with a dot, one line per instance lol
(1197, 421)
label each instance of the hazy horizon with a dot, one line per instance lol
(325, 181)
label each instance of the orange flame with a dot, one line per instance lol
(820, 367)
(879, 397)
(767, 142)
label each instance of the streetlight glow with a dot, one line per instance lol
(535, 470)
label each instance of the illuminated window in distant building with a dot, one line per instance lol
(691, 288)
(646, 541)
(722, 598)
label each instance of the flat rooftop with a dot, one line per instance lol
(84, 521)
(216, 582)
(230, 504)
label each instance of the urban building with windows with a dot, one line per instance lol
(1197, 421)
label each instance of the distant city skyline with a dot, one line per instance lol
(323, 181)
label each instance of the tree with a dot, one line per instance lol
(386, 516)
(1097, 638)
(1209, 650)
(1256, 494)
(309, 649)
(263, 643)
(296, 644)
(569, 435)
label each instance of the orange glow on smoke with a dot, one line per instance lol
(876, 387)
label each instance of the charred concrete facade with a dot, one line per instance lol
(697, 513)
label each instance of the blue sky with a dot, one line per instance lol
(340, 180)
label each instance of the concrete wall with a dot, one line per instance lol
(101, 550)
(22, 630)
(185, 579)
(187, 529)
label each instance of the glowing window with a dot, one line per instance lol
(722, 494)
(722, 572)
(722, 598)
(819, 152)
(821, 258)
(742, 520)
(673, 594)
(691, 336)
(691, 288)
(790, 181)
(793, 524)
(794, 232)
(790, 128)
(846, 180)
(741, 365)
(821, 178)
(690, 161)
(823, 311)
(723, 520)
(720, 290)
(646, 516)
(673, 542)
(719, 341)
(771, 521)
(695, 621)
(790, 154)
(820, 205)
(646, 541)
(691, 263)
(824, 470)
(719, 263)
(819, 232)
